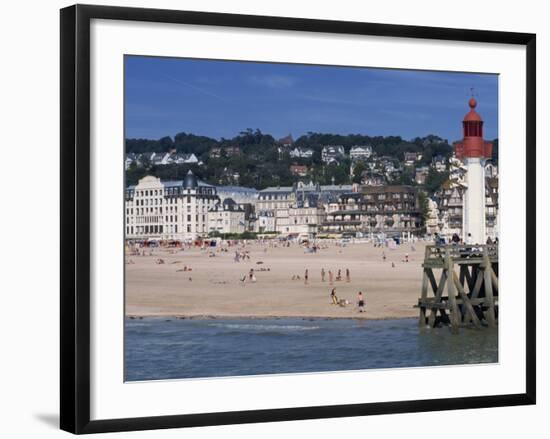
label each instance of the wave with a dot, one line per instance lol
(262, 328)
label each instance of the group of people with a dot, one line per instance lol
(342, 302)
(457, 240)
(243, 255)
(332, 278)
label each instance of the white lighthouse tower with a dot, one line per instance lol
(473, 151)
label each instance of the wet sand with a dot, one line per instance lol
(213, 287)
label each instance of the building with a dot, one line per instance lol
(389, 210)
(411, 158)
(305, 215)
(228, 151)
(299, 170)
(273, 198)
(182, 158)
(286, 141)
(130, 159)
(226, 217)
(301, 153)
(387, 163)
(169, 210)
(450, 201)
(372, 178)
(161, 159)
(474, 151)
(439, 163)
(491, 169)
(332, 154)
(420, 174)
(265, 221)
(358, 152)
(296, 209)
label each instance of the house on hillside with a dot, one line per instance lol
(299, 170)
(358, 152)
(439, 163)
(286, 141)
(182, 158)
(372, 178)
(421, 174)
(301, 153)
(411, 158)
(229, 151)
(333, 154)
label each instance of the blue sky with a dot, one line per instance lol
(165, 96)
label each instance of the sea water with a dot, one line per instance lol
(169, 348)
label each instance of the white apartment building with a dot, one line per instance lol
(226, 217)
(171, 210)
(305, 218)
(273, 198)
(265, 221)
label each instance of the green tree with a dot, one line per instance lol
(358, 169)
(434, 180)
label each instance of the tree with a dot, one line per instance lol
(358, 169)
(424, 205)
(434, 180)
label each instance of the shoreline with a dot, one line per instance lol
(260, 317)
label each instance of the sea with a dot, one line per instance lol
(174, 348)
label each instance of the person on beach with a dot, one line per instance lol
(306, 276)
(334, 297)
(251, 274)
(348, 276)
(322, 274)
(455, 239)
(384, 256)
(330, 277)
(360, 302)
(339, 275)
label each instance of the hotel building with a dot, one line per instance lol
(170, 210)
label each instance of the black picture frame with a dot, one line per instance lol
(75, 217)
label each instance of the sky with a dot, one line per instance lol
(165, 96)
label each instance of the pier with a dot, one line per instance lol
(467, 290)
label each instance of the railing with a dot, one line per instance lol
(465, 253)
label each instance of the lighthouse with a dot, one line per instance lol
(473, 151)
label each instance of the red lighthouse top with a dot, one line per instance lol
(473, 144)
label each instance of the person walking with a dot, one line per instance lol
(348, 276)
(330, 277)
(306, 276)
(360, 302)
(322, 274)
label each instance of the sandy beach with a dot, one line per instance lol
(213, 287)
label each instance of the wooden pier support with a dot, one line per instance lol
(472, 294)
